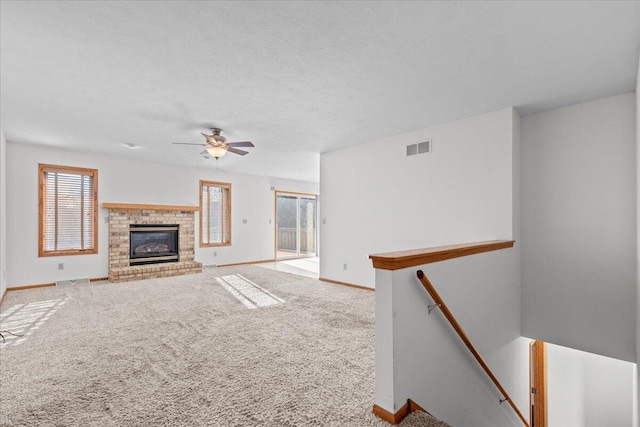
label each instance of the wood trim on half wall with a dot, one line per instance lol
(415, 257)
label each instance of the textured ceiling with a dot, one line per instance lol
(296, 78)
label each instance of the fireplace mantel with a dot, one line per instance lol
(132, 206)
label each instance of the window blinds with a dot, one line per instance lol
(215, 214)
(68, 211)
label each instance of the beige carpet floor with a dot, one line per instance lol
(184, 351)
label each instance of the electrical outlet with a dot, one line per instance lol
(244, 221)
(344, 267)
(324, 220)
(269, 221)
(60, 266)
(215, 253)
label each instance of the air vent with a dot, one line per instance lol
(424, 147)
(419, 148)
(83, 281)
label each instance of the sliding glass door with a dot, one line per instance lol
(296, 230)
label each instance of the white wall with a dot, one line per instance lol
(638, 242)
(517, 178)
(3, 213)
(467, 190)
(375, 199)
(588, 390)
(579, 226)
(126, 180)
(419, 356)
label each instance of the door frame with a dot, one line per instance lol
(538, 380)
(275, 223)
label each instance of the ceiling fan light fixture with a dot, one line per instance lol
(216, 152)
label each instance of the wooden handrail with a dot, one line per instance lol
(450, 317)
(414, 257)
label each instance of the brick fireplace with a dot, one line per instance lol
(123, 218)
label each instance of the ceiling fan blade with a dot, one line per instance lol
(236, 151)
(241, 144)
(188, 143)
(205, 154)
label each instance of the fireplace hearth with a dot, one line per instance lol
(153, 243)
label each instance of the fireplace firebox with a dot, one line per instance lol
(153, 243)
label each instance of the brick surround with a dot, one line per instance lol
(119, 221)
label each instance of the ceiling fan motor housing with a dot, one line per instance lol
(215, 138)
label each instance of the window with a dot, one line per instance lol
(68, 210)
(215, 214)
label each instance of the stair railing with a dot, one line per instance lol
(439, 303)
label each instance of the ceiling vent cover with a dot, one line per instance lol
(419, 148)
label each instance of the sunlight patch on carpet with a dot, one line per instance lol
(247, 292)
(24, 319)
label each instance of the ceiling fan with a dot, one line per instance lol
(217, 145)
